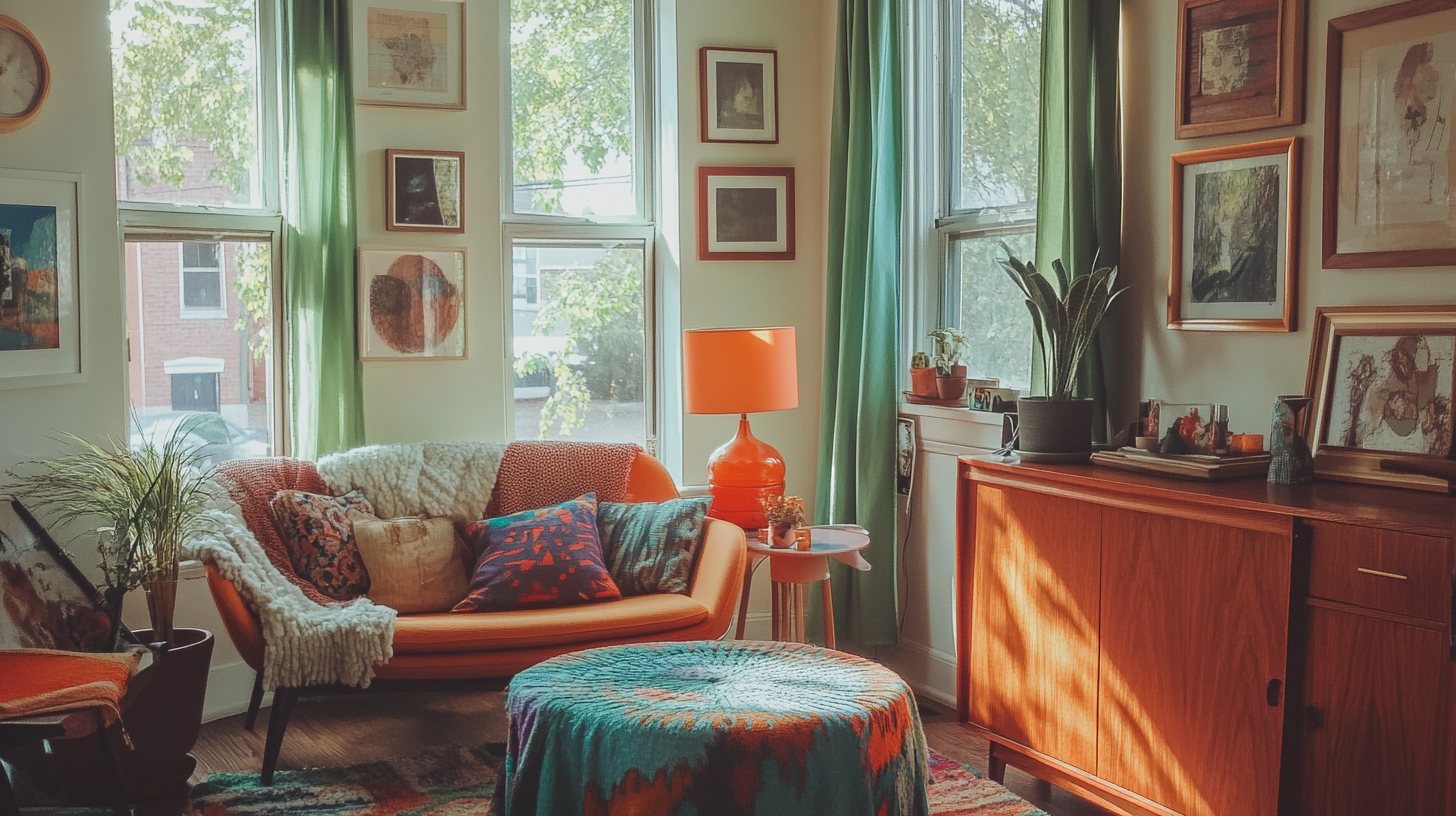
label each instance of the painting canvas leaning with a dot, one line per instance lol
(1392, 394)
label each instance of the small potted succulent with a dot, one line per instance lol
(950, 378)
(922, 376)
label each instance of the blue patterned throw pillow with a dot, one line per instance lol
(652, 547)
(546, 557)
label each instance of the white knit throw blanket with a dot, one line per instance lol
(307, 644)
(453, 480)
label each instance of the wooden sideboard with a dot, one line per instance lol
(1209, 649)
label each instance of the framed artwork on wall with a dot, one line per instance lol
(424, 190)
(738, 91)
(1389, 96)
(1382, 384)
(745, 213)
(409, 53)
(1235, 238)
(45, 601)
(1240, 65)
(40, 309)
(411, 304)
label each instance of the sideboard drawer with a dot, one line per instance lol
(1380, 569)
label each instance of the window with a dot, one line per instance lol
(202, 280)
(196, 148)
(988, 115)
(579, 223)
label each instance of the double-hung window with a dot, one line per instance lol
(196, 117)
(579, 222)
(982, 99)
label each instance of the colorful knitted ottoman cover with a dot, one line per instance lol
(738, 728)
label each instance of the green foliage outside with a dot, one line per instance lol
(1001, 99)
(254, 286)
(991, 312)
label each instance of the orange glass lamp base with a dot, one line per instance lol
(744, 469)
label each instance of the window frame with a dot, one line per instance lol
(160, 222)
(649, 20)
(186, 312)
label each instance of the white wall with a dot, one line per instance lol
(1244, 370)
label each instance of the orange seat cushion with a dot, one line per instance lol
(484, 631)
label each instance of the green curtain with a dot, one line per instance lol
(1079, 197)
(857, 427)
(318, 274)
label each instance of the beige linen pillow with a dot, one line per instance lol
(416, 565)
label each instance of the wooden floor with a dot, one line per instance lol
(345, 730)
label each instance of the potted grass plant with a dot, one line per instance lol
(1057, 426)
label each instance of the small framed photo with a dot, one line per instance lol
(745, 213)
(411, 304)
(424, 191)
(1240, 65)
(40, 308)
(1389, 96)
(1381, 378)
(1235, 234)
(409, 53)
(738, 89)
(905, 441)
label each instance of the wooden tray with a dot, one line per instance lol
(914, 399)
(1200, 468)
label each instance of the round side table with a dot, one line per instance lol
(792, 570)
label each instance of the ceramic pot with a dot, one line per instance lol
(1054, 430)
(951, 388)
(1289, 459)
(922, 382)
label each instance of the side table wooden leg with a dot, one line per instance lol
(776, 590)
(799, 596)
(828, 612)
(743, 602)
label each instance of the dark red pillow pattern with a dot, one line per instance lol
(320, 539)
(546, 557)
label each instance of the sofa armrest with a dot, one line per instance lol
(719, 575)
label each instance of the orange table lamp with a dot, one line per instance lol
(741, 371)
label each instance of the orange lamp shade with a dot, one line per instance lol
(741, 371)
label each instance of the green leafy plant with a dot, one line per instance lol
(920, 360)
(140, 504)
(1065, 318)
(950, 344)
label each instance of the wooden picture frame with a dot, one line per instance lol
(424, 191)
(412, 303)
(745, 213)
(1382, 386)
(1235, 238)
(738, 95)
(1389, 161)
(394, 76)
(40, 280)
(1227, 81)
(46, 602)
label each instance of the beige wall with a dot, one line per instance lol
(1244, 370)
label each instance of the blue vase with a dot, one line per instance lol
(1289, 459)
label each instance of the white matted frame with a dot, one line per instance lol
(412, 303)
(40, 302)
(392, 67)
(745, 213)
(738, 95)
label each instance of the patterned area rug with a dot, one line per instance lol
(460, 781)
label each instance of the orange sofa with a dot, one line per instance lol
(500, 644)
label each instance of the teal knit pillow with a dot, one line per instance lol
(652, 547)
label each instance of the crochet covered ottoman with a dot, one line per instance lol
(736, 727)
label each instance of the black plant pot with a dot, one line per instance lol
(1054, 431)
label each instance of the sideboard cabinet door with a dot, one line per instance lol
(1033, 651)
(1194, 654)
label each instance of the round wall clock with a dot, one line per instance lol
(25, 76)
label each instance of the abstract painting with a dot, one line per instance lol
(45, 602)
(424, 191)
(739, 95)
(40, 322)
(1240, 65)
(1388, 197)
(1233, 222)
(1392, 393)
(745, 213)
(411, 304)
(409, 52)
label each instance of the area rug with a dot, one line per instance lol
(460, 781)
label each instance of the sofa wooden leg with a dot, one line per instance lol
(254, 702)
(283, 700)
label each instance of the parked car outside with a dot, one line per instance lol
(216, 439)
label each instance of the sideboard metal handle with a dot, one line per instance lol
(1397, 576)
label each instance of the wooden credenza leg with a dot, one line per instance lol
(997, 769)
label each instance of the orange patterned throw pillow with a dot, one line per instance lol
(319, 536)
(546, 557)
